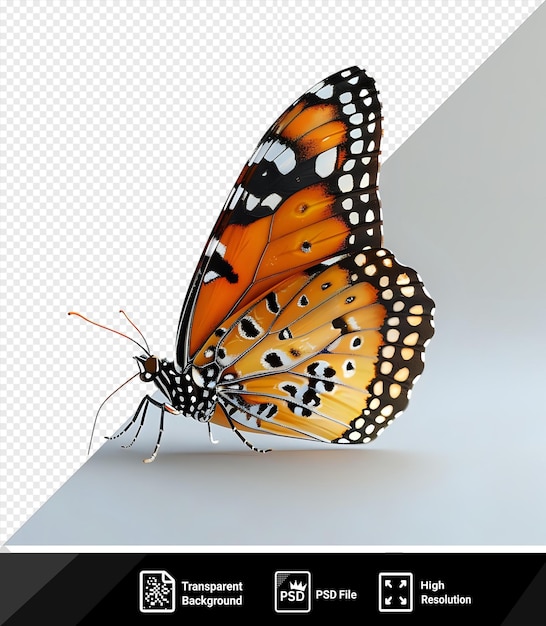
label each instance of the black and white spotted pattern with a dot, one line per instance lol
(322, 368)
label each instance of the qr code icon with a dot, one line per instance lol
(157, 592)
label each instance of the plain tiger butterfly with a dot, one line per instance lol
(297, 321)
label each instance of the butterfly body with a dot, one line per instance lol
(297, 321)
(191, 392)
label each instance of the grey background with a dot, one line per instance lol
(123, 128)
(463, 203)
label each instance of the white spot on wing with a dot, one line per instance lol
(210, 276)
(251, 202)
(326, 162)
(260, 151)
(357, 147)
(326, 92)
(213, 244)
(273, 152)
(356, 119)
(238, 193)
(272, 201)
(286, 161)
(345, 182)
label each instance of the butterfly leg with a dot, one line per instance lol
(143, 404)
(158, 442)
(143, 409)
(212, 440)
(245, 441)
(164, 407)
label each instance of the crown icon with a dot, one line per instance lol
(298, 586)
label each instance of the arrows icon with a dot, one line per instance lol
(396, 592)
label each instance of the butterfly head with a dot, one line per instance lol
(149, 367)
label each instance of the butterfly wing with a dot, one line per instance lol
(331, 354)
(308, 193)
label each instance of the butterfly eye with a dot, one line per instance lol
(151, 365)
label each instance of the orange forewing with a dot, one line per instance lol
(263, 252)
(321, 139)
(308, 119)
(245, 245)
(313, 130)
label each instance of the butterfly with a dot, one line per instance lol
(297, 321)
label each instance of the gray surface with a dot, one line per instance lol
(464, 203)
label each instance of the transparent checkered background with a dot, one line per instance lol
(124, 125)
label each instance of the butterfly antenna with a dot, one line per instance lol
(147, 350)
(136, 328)
(100, 407)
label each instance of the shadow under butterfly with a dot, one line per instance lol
(297, 321)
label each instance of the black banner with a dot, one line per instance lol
(490, 588)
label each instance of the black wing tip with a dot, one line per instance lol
(348, 73)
